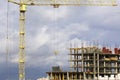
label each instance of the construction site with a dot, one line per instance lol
(89, 63)
(86, 63)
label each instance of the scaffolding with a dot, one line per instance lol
(89, 63)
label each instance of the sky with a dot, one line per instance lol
(51, 29)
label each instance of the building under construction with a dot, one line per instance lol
(89, 63)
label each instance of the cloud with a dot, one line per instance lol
(47, 38)
(55, 14)
(75, 28)
(49, 29)
(41, 38)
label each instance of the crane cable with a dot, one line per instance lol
(55, 33)
(7, 41)
(55, 37)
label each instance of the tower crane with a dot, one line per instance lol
(55, 3)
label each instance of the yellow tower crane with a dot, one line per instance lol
(55, 3)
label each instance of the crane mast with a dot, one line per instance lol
(55, 3)
(22, 42)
